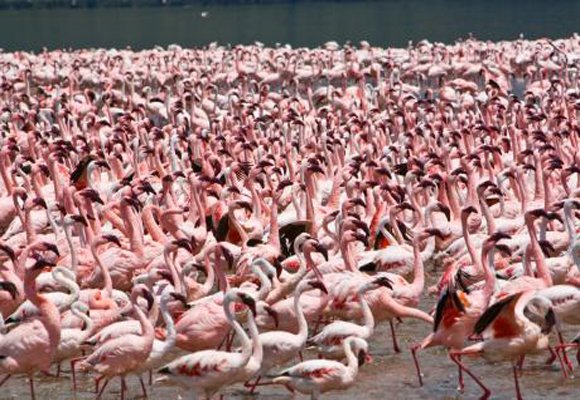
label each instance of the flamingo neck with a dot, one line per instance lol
(132, 228)
(107, 281)
(175, 276)
(542, 270)
(152, 226)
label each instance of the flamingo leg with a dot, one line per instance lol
(300, 356)
(252, 386)
(455, 357)
(517, 382)
(230, 341)
(58, 370)
(143, 387)
(414, 350)
(31, 382)
(103, 388)
(317, 325)
(4, 380)
(123, 385)
(460, 381)
(150, 377)
(97, 381)
(566, 346)
(564, 354)
(73, 362)
(394, 337)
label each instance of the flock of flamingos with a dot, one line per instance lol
(219, 215)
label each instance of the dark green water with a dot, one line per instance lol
(384, 23)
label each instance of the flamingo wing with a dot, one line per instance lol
(500, 317)
(449, 309)
(315, 369)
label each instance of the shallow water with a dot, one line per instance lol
(389, 376)
(382, 23)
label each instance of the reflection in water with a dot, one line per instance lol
(386, 23)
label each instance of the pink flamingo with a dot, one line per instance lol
(32, 345)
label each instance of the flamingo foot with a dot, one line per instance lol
(414, 350)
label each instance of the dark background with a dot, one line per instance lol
(299, 23)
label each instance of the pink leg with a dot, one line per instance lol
(73, 363)
(564, 355)
(455, 357)
(317, 325)
(150, 377)
(563, 365)
(103, 388)
(32, 395)
(517, 383)
(230, 341)
(97, 381)
(460, 381)
(553, 356)
(414, 350)
(123, 385)
(143, 387)
(253, 386)
(394, 336)
(5, 379)
(300, 356)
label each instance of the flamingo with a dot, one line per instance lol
(122, 355)
(314, 377)
(508, 334)
(32, 345)
(206, 372)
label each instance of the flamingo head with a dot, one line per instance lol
(248, 301)
(10, 288)
(316, 284)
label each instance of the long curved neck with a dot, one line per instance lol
(265, 284)
(418, 270)
(87, 321)
(541, 268)
(171, 333)
(240, 332)
(470, 247)
(133, 231)
(74, 261)
(453, 201)
(50, 315)
(108, 282)
(29, 228)
(243, 234)
(351, 358)
(302, 323)
(310, 211)
(257, 350)
(147, 330)
(348, 256)
(8, 184)
(210, 275)
(274, 236)
(491, 228)
(368, 318)
(69, 284)
(177, 284)
(152, 226)
(490, 279)
(569, 223)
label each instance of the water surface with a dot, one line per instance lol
(382, 23)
